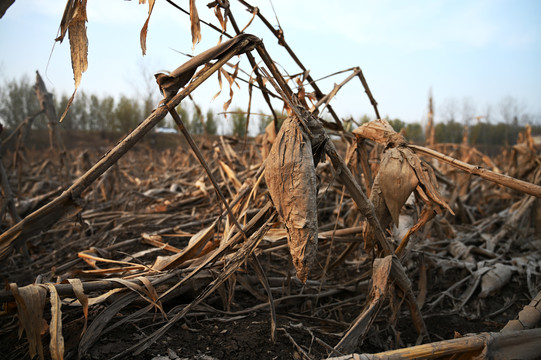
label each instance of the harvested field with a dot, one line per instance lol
(307, 242)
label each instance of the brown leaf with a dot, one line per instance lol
(379, 131)
(195, 26)
(78, 41)
(427, 179)
(221, 19)
(77, 286)
(56, 345)
(143, 36)
(291, 179)
(194, 249)
(30, 303)
(397, 180)
(66, 18)
(74, 22)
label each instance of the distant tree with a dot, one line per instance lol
(239, 122)
(184, 115)
(80, 112)
(17, 101)
(197, 125)
(450, 132)
(210, 125)
(448, 110)
(397, 124)
(364, 119)
(468, 111)
(107, 113)
(127, 114)
(265, 120)
(414, 133)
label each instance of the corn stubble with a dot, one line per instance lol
(290, 176)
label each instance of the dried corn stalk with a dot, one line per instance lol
(291, 179)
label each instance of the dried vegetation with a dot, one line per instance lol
(353, 246)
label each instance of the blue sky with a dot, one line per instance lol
(471, 54)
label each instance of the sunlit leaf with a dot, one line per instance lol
(195, 26)
(143, 36)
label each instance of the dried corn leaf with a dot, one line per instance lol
(379, 131)
(74, 22)
(221, 19)
(230, 174)
(56, 345)
(78, 41)
(153, 294)
(195, 248)
(495, 279)
(195, 26)
(382, 132)
(380, 285)
(397, 180)
(426, 177)
(77, 286)
(291, 179)
(144, 30)
(30, 302)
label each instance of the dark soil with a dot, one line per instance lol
(241, 327)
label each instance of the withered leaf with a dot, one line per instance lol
(379, 131)
(397, 180)
(144, 30)
(78, 290)
(74, 22)
(56, 345)
(195, 26)
(78, 41)
(221, 19)
(30, 303)
(291, 179)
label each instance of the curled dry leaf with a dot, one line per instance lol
(56, 345)
(396, 180)
(195, 26)
(291, 179)
(382, 132)
(379, 131)
(144, 30)
(74, 22)
(78, 290)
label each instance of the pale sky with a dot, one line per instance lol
(473, 52)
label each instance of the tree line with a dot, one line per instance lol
(105, 113)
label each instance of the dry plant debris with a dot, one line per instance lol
(132, 244)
